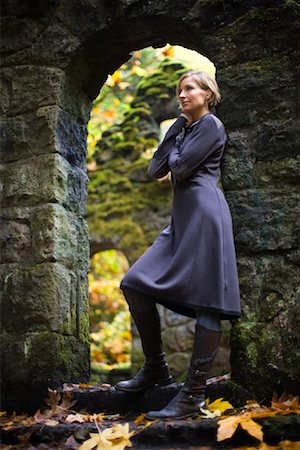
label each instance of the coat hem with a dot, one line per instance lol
(186, 310)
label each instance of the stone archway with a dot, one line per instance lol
(55, 58)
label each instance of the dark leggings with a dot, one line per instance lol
(142, 303)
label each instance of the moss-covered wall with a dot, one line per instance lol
(55, 58)
(125, 207)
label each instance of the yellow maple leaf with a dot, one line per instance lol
(139, 419)
(252, 428)
(117, 438)
(2, 413)
(219, 404)
(207, 414)
(227, 428)
(95, 440)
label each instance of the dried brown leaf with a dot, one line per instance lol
(53, 399)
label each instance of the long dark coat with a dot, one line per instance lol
(192, 264)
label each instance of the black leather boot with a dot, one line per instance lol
(155, 372)
(191, 398)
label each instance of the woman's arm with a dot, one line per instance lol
(159, 167)
(206, 138)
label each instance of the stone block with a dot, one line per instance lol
(59, 235)
(265, 219)
(248, 91)
(265, 342)
(15, 241)
(32, 362)
(32, 87)
(44, 179)
(237, 162)
(267, 283)
(261, 355)
(37, 298)
(18, 34)
(80, 304)
(48, 130)
(29, 87)
(273, 140)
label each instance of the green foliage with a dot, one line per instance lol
(109, 315)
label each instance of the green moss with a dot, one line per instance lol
(125, 147)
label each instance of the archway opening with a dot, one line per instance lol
(110, 329)
(126, 208)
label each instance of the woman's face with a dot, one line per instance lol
(193, 99)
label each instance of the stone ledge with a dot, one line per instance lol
(111, 401)
(175, 434)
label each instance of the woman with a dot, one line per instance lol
(191, 266)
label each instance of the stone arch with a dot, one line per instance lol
(50, 75)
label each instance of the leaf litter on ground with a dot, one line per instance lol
(59, 411)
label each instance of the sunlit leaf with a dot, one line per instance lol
(227, 428)
(85, 386)
(139, 419)
(116, 437)
(220, 404)
(94, 441)
(206, 414)
(75, 418)
(252, 428)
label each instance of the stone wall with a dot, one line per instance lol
(55, 58)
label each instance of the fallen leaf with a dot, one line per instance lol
(139, 419)
(252, 428)
(288, 445)
(85, 386)
(219, 404)
(96, 440)
(2, 413)
(285, 402)
(51, 422)
(117, 437)
(252, 404)
(67, 401)
(71, 443)
(206, 414)
(42, 417)
(227, 428)
(75, 418)
(53, 399)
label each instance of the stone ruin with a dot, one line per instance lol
(55, 57)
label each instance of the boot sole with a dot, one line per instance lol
(158, 383)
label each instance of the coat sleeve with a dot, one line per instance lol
(205, 139)
(159, 166)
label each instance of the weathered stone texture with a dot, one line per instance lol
(48, 130)
(55, 57)
(42, 179)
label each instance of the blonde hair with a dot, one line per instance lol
(205, 81)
